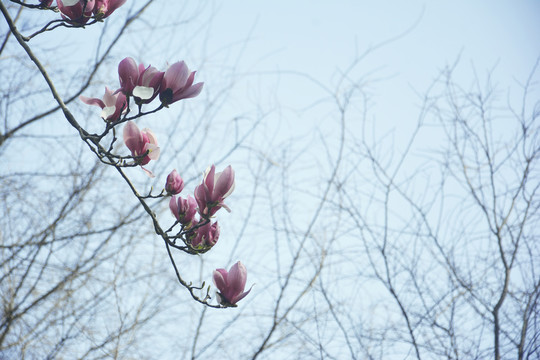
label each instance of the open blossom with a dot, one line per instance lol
(174, 184)
(141, 142)
(177, 84)
(113, 105)
(184, 210)
(104, 8)
(75, 10)
(211, 193)
(231, 284)
(143, 83)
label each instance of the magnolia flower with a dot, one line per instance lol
(105, 8)
(143, 83)
(141, 143)
(231, 284)
(174, 184)
(213, 190)
(206, 236)
(75, 10)
(113, 105)
(177, 84)
(184, 210)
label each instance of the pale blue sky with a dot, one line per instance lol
(321, 39)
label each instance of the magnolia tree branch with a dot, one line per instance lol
(105, 156)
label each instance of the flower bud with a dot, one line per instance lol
(184, 210)
(174, 184)
(206, 236)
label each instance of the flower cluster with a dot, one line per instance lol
(143, 84)
(79, 12)
(200, 233)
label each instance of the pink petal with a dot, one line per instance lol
(225, 182)
(113, 5)
(133, 137)
(151, 137)
(220, 279)
(237, 278)
(176, 76)
(148, 172)
(92, 101)
(209, 178)
(223, 205)
(109, 99)
(128, 73)
(173, 205)
(237, 298)
(200, 196)
(193, 91)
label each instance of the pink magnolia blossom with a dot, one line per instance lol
(184, 210)
(113, 105)
(211, 193)
(174, 184)
(143, 83)
(231, 284)
(177, 84)
(140, 143)
(105, 8)
(206, 236)
(75, 10)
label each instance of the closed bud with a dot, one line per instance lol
(184, 210)
(174, 184)
(206, 236)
